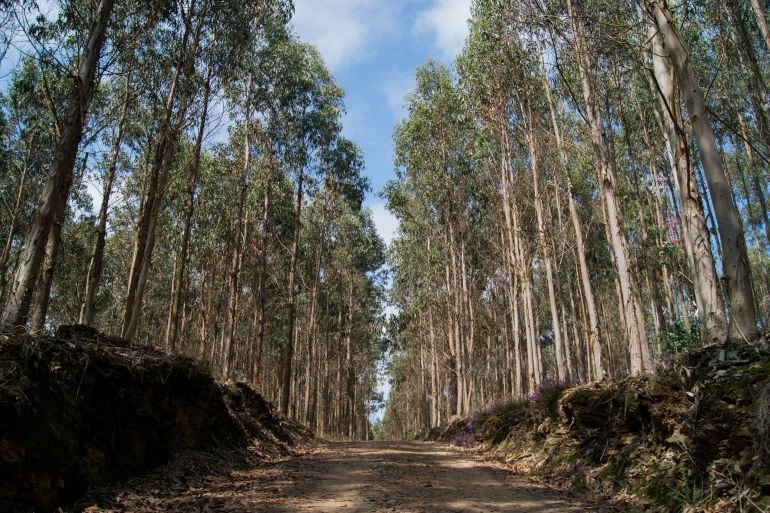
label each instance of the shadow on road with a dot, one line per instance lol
(403, 477)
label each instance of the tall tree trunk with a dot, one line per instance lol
(509, 250)
(163, 159)
(594, 342)
(694, 228)
(455, 397)
(238, 243)
(288, 348)
(737, 274)
(312, 329)
(470, 330)
(180, 276)
(639, 353)
(351, 377)
(262, 280)
(45, 280)
(96, 264)
(534, 167)
(53, 201)
(434, 374)
(457, 315)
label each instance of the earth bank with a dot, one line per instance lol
(81, 410)
(693, 438)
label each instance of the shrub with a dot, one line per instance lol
(679, 337)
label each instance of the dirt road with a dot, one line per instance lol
(353, 478)
(411, 478)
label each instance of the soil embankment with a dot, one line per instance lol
(82, 410)
(694, 438)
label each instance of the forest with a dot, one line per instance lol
(189, 261)
(173, 173)
(582, 195)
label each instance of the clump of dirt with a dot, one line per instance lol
(694, 438)
(81, 410)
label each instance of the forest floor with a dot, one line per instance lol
(403, 477)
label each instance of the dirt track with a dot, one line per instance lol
(410, 478)
(347, 477)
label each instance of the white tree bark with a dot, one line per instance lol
(694, 228)
(56, 192)
(737, 274)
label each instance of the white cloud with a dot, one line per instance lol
(386, 223)
(343, 30)
(447, 20)
(395, 88)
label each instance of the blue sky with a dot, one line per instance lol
(373, 48)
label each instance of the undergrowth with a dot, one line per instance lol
(694, 438)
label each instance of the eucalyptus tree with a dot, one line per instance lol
(509, 104)
(417, 270)
(743, 319)
(695, 229)
(434, 166)
(356, 253)
(342, 188)
(586, 170)
(180, 274)
(96, 264)
(81, 70)
(29, 133)
(225, 30)
(307, 120)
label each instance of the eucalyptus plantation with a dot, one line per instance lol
(607, 191)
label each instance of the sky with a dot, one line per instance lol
(373, 48)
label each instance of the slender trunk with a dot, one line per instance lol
(238, 243)
(45, 280)
(288, 349)
(312, 315)
(457, 317)
(161, 165)
(180, 277)
(262, 281)
(351, 377)
(534, 167)
(96, 264)
(694, 229)
(435, 411)
(205, 314)
(470, 328)
(454, 372)
(737, 273)
(594, 342)
(640, 358)
(511, 257)
(56, 192)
